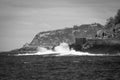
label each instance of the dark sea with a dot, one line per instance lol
(38, 67)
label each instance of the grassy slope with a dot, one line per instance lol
(59, 68)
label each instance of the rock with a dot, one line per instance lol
(26, 45)
(49, 39)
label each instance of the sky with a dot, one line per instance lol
(21, 20)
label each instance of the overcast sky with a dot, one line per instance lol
(21, 20)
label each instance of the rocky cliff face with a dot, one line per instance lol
(49, 39)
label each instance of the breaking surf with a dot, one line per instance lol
(62, 50)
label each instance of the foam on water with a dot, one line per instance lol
(61, 50)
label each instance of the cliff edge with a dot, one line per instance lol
(49, 39)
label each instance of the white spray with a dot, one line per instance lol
(61, 50)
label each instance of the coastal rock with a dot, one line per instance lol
(49, 39)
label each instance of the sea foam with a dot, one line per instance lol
(61, 50)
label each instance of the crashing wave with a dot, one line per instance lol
(61, 50)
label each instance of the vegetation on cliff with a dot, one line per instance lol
(112, 27)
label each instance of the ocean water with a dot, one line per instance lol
(39, 67)
(59, 64)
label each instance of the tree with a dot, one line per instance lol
(110, 23)
(113, 21)
(117, 18)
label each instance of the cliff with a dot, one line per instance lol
(49, 39)
(89, 37)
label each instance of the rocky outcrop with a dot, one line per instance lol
(49, 39)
